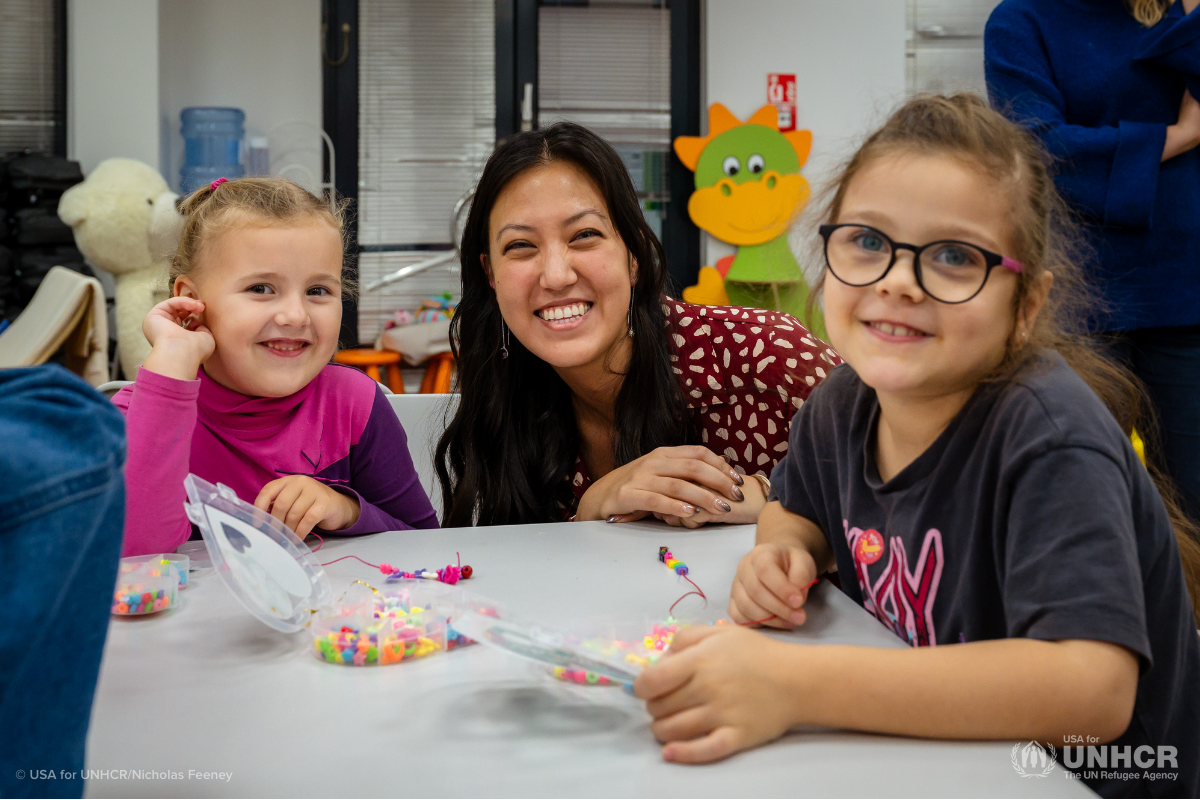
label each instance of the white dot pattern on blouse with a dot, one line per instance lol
(744, 372)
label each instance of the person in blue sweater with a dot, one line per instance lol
(1109, 86)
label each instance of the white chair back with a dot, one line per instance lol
(424, 418)
(111, 388)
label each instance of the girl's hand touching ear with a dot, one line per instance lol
(771, 585)
(304, 503)
(179, 343)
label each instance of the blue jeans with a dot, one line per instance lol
(62, 495)
(1168, 361)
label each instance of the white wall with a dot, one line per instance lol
(262, 56)
(112, 81)
(847, 55)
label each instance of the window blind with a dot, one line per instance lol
(28, 61)
(607, 66)
(945, 50)
(426, 126)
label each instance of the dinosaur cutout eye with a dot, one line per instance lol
(755, 163)
(730, 166)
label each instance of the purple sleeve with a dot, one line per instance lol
(160, 418)
(383, 478)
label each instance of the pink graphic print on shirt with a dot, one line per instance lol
(900, 599)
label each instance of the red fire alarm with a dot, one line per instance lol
(781, 93)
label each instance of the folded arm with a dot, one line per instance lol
(1108, 171)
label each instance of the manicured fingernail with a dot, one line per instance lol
(721, 504)
(795, 601)
(689, 509)
(738, 479)
(737, 494)
(613, 518)
(799, 617)
(727, 461)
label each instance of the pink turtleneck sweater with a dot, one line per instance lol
(339, 429)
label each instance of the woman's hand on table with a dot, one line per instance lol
(678, 482)
(771, 586)
(1184, 134)
(303, 503)
(744, 511)
(719, 689)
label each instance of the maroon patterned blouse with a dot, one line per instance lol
(744, 372)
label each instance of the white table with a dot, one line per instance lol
(206, 687)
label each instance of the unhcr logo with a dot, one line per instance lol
(1032, 759)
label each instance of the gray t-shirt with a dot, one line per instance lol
(1029, 516)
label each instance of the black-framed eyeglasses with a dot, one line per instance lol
(947, 270)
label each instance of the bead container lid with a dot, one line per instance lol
(266, 566)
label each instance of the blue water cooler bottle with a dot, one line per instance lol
(212, 146)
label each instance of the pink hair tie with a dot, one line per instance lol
(212, 187)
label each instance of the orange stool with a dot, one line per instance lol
(438, 374)
(369, 360)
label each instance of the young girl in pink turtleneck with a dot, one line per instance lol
(238, 387)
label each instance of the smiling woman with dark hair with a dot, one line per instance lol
(587, 393)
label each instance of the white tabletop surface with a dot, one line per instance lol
(206, 688)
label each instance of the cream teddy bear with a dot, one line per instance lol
(126, 224)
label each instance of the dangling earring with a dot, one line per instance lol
(629, 316)
(503, 339)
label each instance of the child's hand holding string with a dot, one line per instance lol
(718, 690)
(771, 585)
(180, 342)
(304, 503)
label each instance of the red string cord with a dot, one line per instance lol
(343, 558)
(457, 555)
(697, 591)
(356, 558)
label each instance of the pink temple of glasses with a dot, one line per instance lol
(1015, 266)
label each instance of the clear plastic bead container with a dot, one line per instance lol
(145, 585)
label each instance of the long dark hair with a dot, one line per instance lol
(506, 456)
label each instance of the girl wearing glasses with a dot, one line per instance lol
(963, 474)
